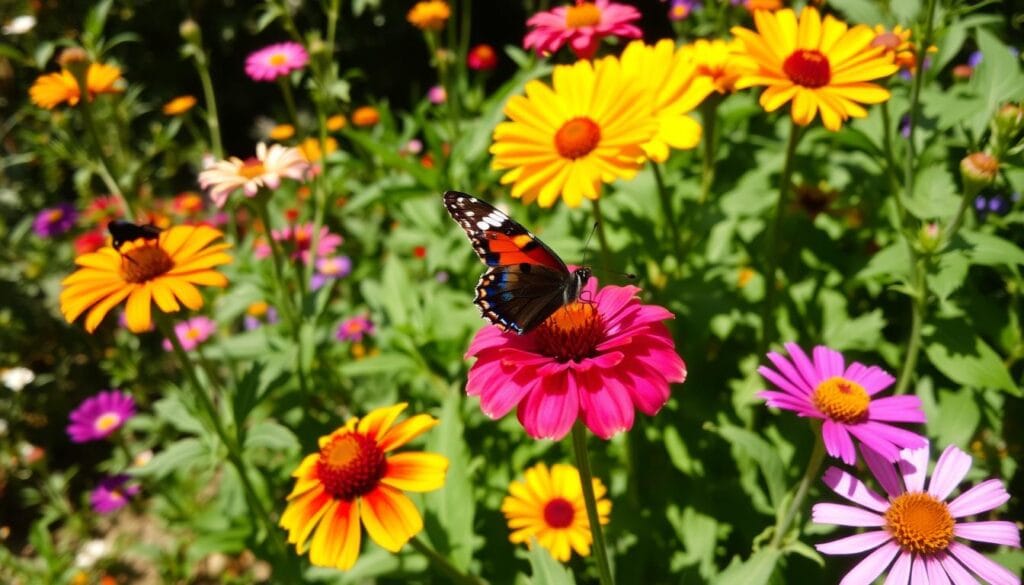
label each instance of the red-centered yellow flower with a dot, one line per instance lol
(354, 479)
(587, 128)
(820, 66)
(179, 105)
(549, 506)
(53, 89)
(670, 79)
(165, 270)
(716, 60)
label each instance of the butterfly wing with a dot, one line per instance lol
(525, 281)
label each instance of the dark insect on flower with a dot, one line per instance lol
(125, 231)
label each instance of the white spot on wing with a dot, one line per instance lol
(483, 225)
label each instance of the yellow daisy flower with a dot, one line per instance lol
(548, 505)
(819, 66)
(179, 105)
(716, 60)
(164, 269)
(50, 90)
(587, 128)
(674, 89)
(353, 480)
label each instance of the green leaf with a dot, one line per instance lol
(950, 273)
(452, 508)
(180, 455)
(392, 363)
(174, 412)
(905, 11)
(998, 79)
(893, 260)
(757, 570)
(864, 11)
(268, 434)
(764, 454)
(991, 250)
(954, 349)
(679, 454)
(545, 570)
(956, 418)
(935, 194)
(699, 536)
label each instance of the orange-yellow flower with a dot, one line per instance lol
(53, 89)
(365, 116)
(716, 60)
(336, 122)
(311, 151)
(354, 480)
(897, 45)
(179, 105)
(281, 132)
(429, 15)
(549, 506)
(165, 270)
(820, 66)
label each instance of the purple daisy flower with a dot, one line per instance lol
(845, 399)
(269, 63)
(355, 328)
(113, 493)
(330, 269)
(98, 417)
(54, 221)
(915, 526)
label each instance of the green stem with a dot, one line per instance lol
(443, 564)
(602, 238)
(212, 119)
(770, 282)
(709, 114)
(579, 446)
(104, 164)
(917, 314)
(810, 474)
(289, 100)
(970, 192)
(666, 208)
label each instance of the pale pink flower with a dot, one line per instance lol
(595, 360)
(916, 526)
(266, 169)
(192, 332)
(269, 63)
(297, 240)
(582, 26)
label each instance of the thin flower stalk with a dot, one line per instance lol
(579, 446)
(443, 564)
(194, 37)
(785, 521)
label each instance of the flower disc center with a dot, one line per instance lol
(107, 421)
(808, 68)
(278, 59)
(581, 15)
(252, 168)
(559, 513)
(571, 333)
(350, 465)
(919, 523)
(144, 263)
(842, 400)
(577, 138)
(55, 215)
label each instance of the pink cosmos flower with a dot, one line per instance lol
(354, 329)
(593, 360)
(581, 26)
(916, 526)
(191, 333)
(266, 169)
(269, 63)
(297, 240)
(844, 397)
(113, 493)
(99, 416)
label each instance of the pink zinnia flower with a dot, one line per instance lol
(266, 169)
(581, 26)
(354, 329)
(192, 332)
(98, 417)
(844, 397)
(296, 241)
(592, 360)
(113, 493)
(916, 526)
(269, 63)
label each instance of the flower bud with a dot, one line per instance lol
(929, 237)
(189, 30)
(978, 170)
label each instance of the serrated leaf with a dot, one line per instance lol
(271, 435)
(757, 570)
(545, 570)
(891, 261)
(764, 455)
(954, 349)
(991, 250)
(172, 411)
(181, 455)
(935, 194)
(950, 273)
(453, 507)
(956, 418)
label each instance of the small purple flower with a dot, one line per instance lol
(54, 221)
(975, 59)
(905, 126)
(355, 328)
(98, 417)
(330, 269)
(682, 9)
(113, 493)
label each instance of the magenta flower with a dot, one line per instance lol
(297, 240)
(98, 417)
(355, 328)
(191, 333)
(916, 526)
(844, 397)
(592, 360)
(581, 26)
(113, 493)
(55, 221)
(269, 63)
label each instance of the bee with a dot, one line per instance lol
(126, 231)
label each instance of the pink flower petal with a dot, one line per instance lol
(955, 570)
(987, 495)
(935, 572)
(803, 364)
(789, 402)
(828, 362)
(873, 379)
(606, 409)
(988, 570)
(884, 471)
(826, 513)
(838, 442)
(872, 566)
(993, 531)
(549, 411)
(853, 489)
(913, 466)
(784, 367)
(918, 571)
(855, 544)
(949, 471)
(896, 409)
(784, 384)
(899, 574)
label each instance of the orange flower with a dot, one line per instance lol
(311, 151)
(353, 480)
(365, 116)
(179, 105)
(336, 122)
(281, 132)
(53, 89)
(429, 15)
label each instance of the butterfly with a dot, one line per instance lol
(525, 281)
(125, 231)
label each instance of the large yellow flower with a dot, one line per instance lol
(819, 66)
(565, 140)
(353, 478)
(669, 79)
(50, 90)
(716, 60)
(549, 507)
(164, 269)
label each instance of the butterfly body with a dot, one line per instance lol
(525, 281)
(125, 231)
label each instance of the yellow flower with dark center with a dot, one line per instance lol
(50, 90)
(821, 66)
(429, 15)
(564, 140)
(179, 105)
(674, 89)
(716, 60)
(548, 505)
(165, 270)
(355, 480)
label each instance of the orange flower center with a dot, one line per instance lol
(252, 168)
(581, 15)
(888, 40)
(350, 465)
(571, 333)
(842, 400)
(108, 421)
(919, 523)
(55, 215)
(193, 333)
(144, 263)
(808, 68)
(577, 137)
(559, 513)
(278, 59)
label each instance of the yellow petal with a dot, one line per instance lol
(390, 517)
(416, 471)
(95, 316)
(376, 423)
(138, 311)
(405, 431)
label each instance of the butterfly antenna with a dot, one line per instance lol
(586, 244)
